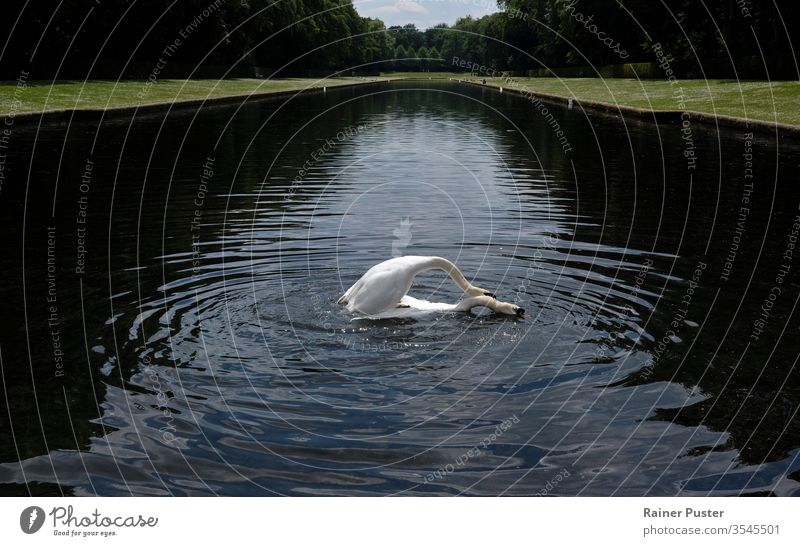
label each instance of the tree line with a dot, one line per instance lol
(126, 38)
(697, 35)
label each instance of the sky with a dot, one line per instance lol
(423, 13)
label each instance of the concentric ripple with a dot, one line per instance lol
(221, 363)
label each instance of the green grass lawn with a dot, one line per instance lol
(39, 96)
(758, 100)
(766, 101)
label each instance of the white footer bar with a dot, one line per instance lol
(400, 521)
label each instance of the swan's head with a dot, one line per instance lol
(506, 308)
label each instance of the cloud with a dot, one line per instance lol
(401, 6)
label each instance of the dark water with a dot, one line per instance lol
(182, 337)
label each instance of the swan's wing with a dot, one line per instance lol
(425, 305)
(383, 286)
(380, 292)
(380, 289)
(353, 291)
(350, 291)
(412, 308)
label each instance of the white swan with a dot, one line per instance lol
(384, 287)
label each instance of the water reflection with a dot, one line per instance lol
(203, 352)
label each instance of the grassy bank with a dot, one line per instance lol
(756, 100)
(64, 95)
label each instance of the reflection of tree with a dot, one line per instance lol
(676, 215)
(134, 242)
(632, 191)
(592, 207)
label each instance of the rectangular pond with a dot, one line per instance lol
(169, 321)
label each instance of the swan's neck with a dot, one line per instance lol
(448, 267)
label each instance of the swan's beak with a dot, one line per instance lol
(520, 312)
(489, 294)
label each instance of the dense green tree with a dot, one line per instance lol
(434, 36)
(373, 47)
(400, 57)
(408, 36)
(123, 38)
(126, 38)
(698, 36)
